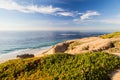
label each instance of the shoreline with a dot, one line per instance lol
(12, 55)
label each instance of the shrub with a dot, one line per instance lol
(89, 66)
(116, 48)
(74, 44)
(112, 35)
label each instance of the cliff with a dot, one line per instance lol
(104, 43)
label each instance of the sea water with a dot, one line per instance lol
(13, 43)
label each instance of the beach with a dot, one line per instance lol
(12, 55)
(14, 43)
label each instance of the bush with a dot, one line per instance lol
(116, 48)
(89, 66)
(112, 35)
(74, 44)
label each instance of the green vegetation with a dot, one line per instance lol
(89, 66)
(72, 45)
(117, 44)
(112, 35)
(116, 48)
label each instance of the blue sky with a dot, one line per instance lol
(95, 15)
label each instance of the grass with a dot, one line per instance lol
(112, 35)
(89, 66)
(116, 48)
(73, 45)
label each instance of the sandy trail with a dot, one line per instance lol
(115, 75)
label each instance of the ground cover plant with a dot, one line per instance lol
(89, 66)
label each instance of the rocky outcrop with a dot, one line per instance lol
(25, 56)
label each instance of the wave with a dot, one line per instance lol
(68, 34)
(12, 55)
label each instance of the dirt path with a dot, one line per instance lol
(118, 54)
(116, 74)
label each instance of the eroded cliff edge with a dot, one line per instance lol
(106, 43)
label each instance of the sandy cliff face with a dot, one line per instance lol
(96, 45)
(60, 47)
(90, 44)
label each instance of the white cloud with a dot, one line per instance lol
(105, 21)
(110, 21)
(66, 13)
(101, 21)
(44, 9)
(88, 14)
(12, 5)
(85, 17)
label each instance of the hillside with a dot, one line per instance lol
(107, 43)
(112, 35)
(80, 59)
(89, 66)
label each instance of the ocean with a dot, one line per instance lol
(21, 42)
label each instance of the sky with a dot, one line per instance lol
(82, 15)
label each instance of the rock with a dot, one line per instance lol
(25, 56)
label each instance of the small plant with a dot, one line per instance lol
(117, 44)
(116, 48)
(72, 46)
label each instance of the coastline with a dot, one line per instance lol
(12, 55)
(62, 47)
(22, 42)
